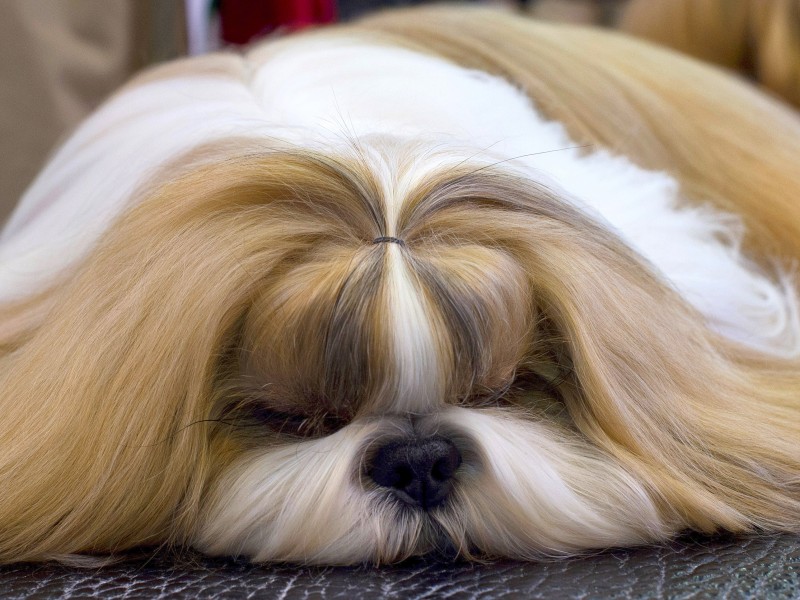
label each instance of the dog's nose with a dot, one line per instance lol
(420, 471)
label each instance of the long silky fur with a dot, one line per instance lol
(123, 383)
(760, 38)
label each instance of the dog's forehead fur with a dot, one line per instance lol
(343, 323)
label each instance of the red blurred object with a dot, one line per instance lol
(243, 20)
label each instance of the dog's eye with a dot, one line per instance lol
(279, 421)
(297, 424)
(488, 397)
(484, 400)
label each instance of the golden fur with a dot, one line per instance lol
(760, 38)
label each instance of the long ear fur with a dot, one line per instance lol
(709, 427)
(712, 427)
(105, 403)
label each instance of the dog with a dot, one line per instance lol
(442, 280)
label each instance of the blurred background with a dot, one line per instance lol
(63, 57)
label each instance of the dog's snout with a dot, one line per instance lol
(420, 471)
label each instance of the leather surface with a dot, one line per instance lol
(767, 567)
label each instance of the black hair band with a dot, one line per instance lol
(389, 240)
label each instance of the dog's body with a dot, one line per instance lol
(354, 297)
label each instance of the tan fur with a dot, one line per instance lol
(123, 387)
(760, 38)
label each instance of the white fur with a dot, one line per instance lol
(299, 502)
(572, 497)
(418, 384)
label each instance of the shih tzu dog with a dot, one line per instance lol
(440, 280)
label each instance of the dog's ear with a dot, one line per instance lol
(102, 436)
(708, 426)
(108, 379)
(649, 382)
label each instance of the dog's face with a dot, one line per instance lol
(396, 381)
(373, 307)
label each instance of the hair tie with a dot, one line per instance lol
(388, 239)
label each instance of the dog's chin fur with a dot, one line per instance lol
(206, 334)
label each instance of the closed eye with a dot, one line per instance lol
(280, 422)
(271, 411)
(295, 424)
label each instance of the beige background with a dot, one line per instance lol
(61, 58)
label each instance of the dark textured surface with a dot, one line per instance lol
(754, 568)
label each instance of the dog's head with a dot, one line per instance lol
(399, 375)
(387, 359)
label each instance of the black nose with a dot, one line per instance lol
(420, 471)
